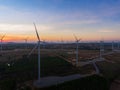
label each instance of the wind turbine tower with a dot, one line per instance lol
(38, 52)
(61, 44)
(26, 39)
(118, 45)
(44, 43)
(2, 41)
(77, 43)
(112, 45)
(101, 49)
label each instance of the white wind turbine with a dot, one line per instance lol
(2, 40)
(38, 52)
(118, 45)
(112, 45)
(38, 45)
(26, 39)
(77, 42)
(101, 49)
(62, 44)
(44, 43)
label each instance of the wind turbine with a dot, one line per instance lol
(101, 49)
(77, 42)
(38, 52)
(118, 45)
(62, 44)
(38, 45)
(1, 41)
(26, 39)
(44, 43)
(112, 45)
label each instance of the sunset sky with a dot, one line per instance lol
(90, 20)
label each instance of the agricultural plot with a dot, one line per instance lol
(11, 55)
(83, 55)
(110, 69)
(25, 69)
(53, 63)
(115, 57)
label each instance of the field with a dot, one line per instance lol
(111, 69)
(84, 55)
(25, 69)
(54, 62)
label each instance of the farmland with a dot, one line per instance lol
(54, 62)
(111, 69)
(24, 69)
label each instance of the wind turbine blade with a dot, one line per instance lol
(2, 37)
(36, 32)
(32, 50)
(79, 40)
(43, 41)
(75, 37)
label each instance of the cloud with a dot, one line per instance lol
(106, 31)
(3, 8)
(80, 22)
(59, 18)
(22, 28)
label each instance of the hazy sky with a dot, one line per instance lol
(60, 19)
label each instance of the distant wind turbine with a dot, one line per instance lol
(44, 43)
(101, 49)
(77, 42)
(118, 45)
(26, 39)
(112, 45)
(62, 44)
(2, 40)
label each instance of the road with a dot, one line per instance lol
(55, 80)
